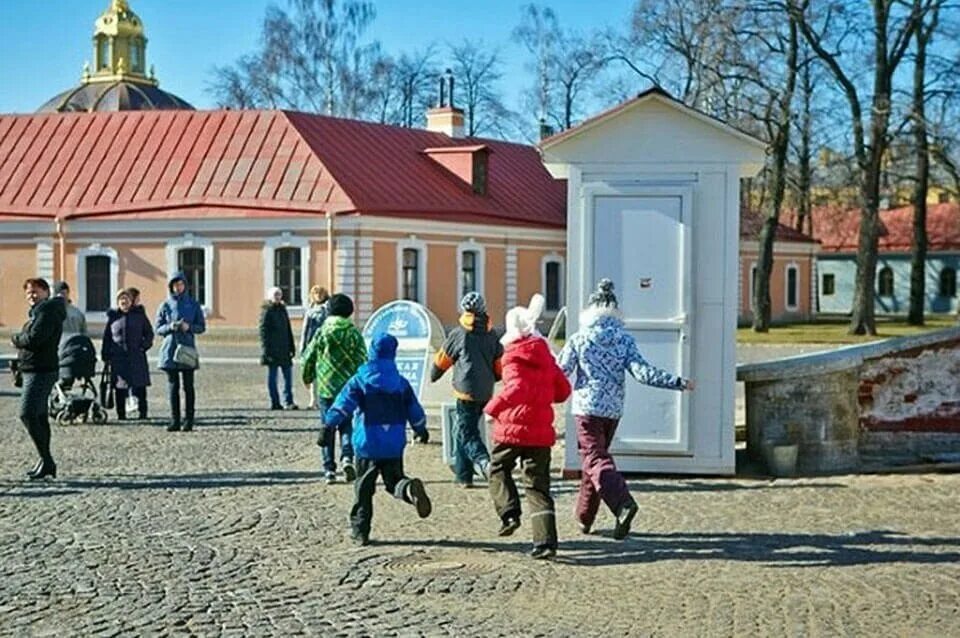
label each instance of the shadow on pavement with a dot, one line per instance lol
(172, 481)
(777, 549)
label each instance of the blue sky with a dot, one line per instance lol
(43, 45)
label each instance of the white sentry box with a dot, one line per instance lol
(653, 200)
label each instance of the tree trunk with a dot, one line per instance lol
(918, 252)
(805, 177)
(778, 183)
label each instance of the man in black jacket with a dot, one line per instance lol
(37, 344)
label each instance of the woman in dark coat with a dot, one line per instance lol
(38, 364)
(277, 349)
(126, 338)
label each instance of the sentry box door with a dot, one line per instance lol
(641, 240)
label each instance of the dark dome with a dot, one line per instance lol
(120, 95)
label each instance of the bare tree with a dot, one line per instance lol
(311, 57)
(477, 72)
(891, 38)
(918, 250)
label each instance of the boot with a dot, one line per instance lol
(188, 424)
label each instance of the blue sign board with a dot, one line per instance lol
(402, 319)
(411, 369)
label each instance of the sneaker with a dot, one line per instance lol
(624, 519)
(360, 538)
(509, 526)
(584, 528)
(276, 406)
(291, 406)
(173, 427)
(188, 425)
(464, 486)
(543, 552)
(418, 495)
(482, 468)
(349, 472)
(330, 477)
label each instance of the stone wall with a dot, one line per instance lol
(887, 403)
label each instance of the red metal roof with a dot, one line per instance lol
(752, 221)
(838, 229)
(255, 162)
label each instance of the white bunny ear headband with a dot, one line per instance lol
(523, 321)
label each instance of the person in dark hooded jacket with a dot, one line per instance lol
(277, 349)
(474, 351)
(385, 403)
(179, 319)
(126, 338)
(37, 344)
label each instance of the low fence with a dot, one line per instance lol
(863, 407)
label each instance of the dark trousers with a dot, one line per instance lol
(121, 401)
(535, 464)
(173, 386)
(599, 477)
(469, 448)
(361, 514)
(286, 371)
(328, 439)
(34, 396)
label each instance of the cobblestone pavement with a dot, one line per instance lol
(229, 531)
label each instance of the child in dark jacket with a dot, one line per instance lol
(385, 403)
(474, 352)
(523, 428)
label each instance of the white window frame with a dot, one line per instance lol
(786, 286)
(823, 288)
(95, 250)
(481, 263)
(287, 240)
(189, 240)
(554, 258)
(753, 277)
(421, 247)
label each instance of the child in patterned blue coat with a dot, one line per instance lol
(385, 403)
(598, 356)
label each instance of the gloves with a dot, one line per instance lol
(422, 436)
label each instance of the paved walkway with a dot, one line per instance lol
(229, 531)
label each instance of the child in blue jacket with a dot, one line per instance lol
(385, 403)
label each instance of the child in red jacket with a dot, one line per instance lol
(523, 427)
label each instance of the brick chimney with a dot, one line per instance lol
(445, 117)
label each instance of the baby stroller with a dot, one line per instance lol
(74, 396)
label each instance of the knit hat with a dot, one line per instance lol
(604, 297)
(60, 287)
(473, 302)
(522, 322)
(340, 305)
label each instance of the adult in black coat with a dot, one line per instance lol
(277, 349)
(126, 338)
(38, 362)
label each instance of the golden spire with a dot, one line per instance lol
(119, 46)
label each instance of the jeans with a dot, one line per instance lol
(287, 384)
(470, 448)
(34, 397)
(535, 465)
(361, 514)
(173, 386)
(328, 448)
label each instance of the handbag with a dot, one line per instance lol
(186, 356)
(106, 392)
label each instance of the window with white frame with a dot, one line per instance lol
(412, 270)
(829, 284)
(793, 286)
(286, 265)
(551, 273)
(470, 266)
(193, 256)
(97, 275)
